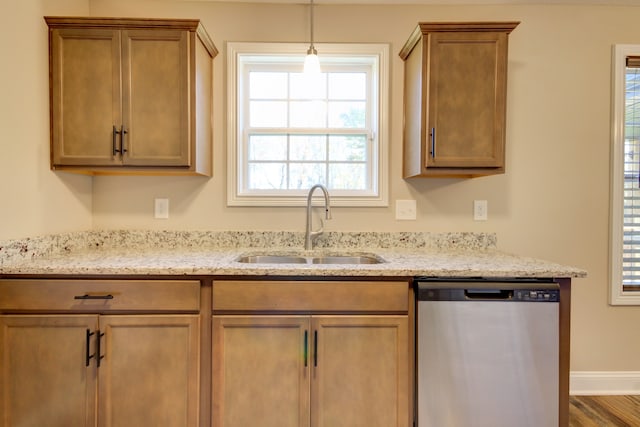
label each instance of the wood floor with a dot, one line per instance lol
(604, 411)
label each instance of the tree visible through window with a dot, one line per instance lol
(295, 130)
(304, 130)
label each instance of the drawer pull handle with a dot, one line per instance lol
(87, 296)
(89, 356)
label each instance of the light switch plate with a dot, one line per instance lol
(406, 210)
(161, 210)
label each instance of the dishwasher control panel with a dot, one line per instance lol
(476, 290)
(546, 295)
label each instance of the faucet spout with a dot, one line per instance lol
(310, 235)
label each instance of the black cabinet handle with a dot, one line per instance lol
(87, 296)
(306, 348)
(123, 132)
(315, 349)
(433, 142)
(99, 355)
(114, 137)
(88, 355)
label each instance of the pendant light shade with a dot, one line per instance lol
(311, 61)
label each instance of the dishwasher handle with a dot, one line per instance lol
(488, 294)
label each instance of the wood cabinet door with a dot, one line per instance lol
(156, 97)
(149, 374)
(360, 371)
(466, 99)
(44, 377)
(85, 96)
(261, 371)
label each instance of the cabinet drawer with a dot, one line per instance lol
(306, 296)
(98, 296)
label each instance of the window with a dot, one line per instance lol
(625, 209)
(289, 131)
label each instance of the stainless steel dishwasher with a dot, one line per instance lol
(487, 353)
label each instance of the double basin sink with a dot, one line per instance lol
(316, 259)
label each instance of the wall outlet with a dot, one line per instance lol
(406, 210)
(480, 210)
(161, 210)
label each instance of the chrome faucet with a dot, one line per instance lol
(310, 235)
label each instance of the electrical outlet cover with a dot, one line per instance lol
(406, 210)
(480, 210)
(161, 209)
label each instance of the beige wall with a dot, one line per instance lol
(552, 203)
(35, 201)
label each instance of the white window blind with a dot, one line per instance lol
(624, 244)
(631, 198)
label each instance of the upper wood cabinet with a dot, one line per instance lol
(455, 81)
(130, 96)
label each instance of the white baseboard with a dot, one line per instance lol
(582, 383)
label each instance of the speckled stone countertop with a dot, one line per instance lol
(126, 252)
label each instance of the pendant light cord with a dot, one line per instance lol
(311, 47)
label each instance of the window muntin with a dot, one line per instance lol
(294, 130)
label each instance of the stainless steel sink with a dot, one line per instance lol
(272, 259)
(319, 259)
(346, 259)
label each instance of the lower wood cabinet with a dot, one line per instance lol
(148, 372)
(112, 370)
(318, 370)
(324, 371)
(191, 353)
(361, 371)
(261, 371)
(44, 379)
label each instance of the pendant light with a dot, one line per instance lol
(311, 61)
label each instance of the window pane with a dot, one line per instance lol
(308, 147)
(304, 86)
(347, 176)
(344, 114)
(348, 86)
(348, 148)
(305, 175)
(267, 176)
(267, 85)
(268, 114)
(267, 147)
(308, 114)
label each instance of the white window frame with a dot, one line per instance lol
(617, 294)
(379, 156)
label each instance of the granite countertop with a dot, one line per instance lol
(216, 253)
